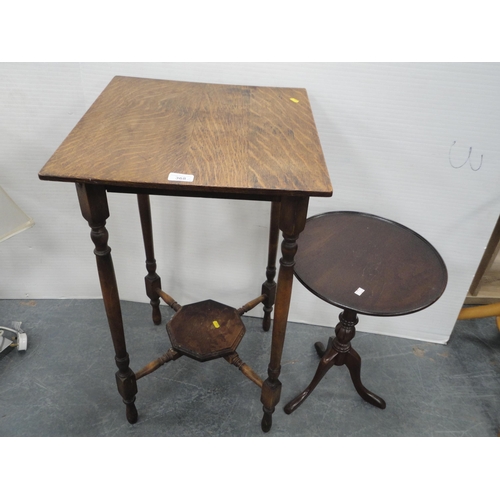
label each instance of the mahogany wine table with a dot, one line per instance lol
(364, 264)
(157, 137)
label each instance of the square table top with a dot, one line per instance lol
(181, 136)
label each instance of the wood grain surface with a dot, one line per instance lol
(231, 139)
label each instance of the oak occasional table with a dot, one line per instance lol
(158, 137)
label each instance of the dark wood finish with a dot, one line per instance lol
(250, 305)
(206, 330)
(399, 271)
(94, 207)
(269, 286)
(292, 221)
(152, 279)
(170, 355)
(194, 332)
(337, 353)
(168, 300)
(363, 264)
(237, 142)
(235, 360)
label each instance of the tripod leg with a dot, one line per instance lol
(326, 362)
(321, 349)
(353, 363)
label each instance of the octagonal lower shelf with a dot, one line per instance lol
(206, 330)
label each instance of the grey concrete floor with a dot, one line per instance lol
(63, 385)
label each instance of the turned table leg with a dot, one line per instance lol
(94, 207)
(292, 221)
(152, 280)
(269, 286)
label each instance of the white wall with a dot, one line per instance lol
(386, 131)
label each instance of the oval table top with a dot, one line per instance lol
(369, 264)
